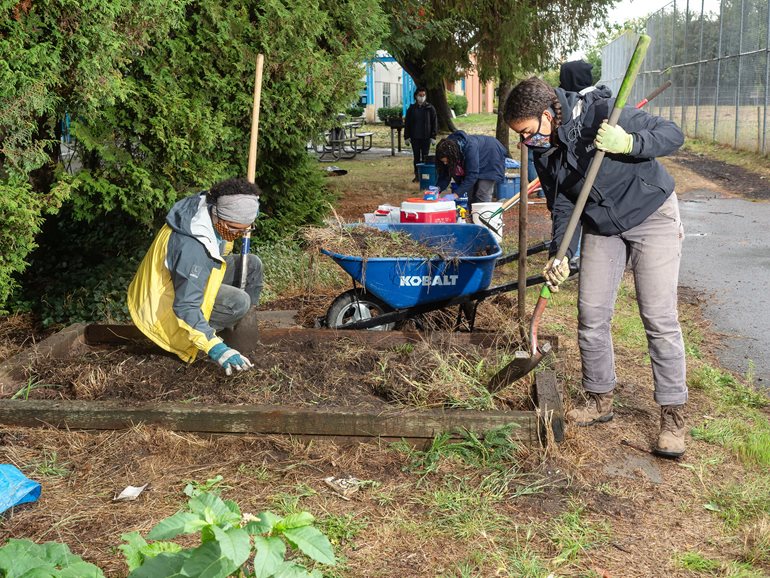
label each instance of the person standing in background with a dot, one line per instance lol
(420, 128)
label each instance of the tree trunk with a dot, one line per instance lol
(436, 95)
(502, 132)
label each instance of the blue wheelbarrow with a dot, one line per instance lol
(389, 290)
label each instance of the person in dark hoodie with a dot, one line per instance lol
(475, 162)
(576, 75)
(420, 128)
(181, 293)
(631, 219)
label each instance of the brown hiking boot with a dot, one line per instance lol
(671, 438)
(597, 409)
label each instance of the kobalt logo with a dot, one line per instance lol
(427, 280)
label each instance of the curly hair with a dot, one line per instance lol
(234, 186)
(529, 99)
(449, 149)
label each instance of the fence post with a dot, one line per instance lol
(740, 70)
(700, 70)
(719, 70)
(767, 79)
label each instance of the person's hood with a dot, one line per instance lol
(191, 217)
(576, 75)
(461, 137)
(573, 103)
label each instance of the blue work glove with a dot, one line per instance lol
(449, 197)
(229, 358)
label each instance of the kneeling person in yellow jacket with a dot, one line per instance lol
(181, 293)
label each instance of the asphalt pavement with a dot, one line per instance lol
(726, 256)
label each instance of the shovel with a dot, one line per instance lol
(245, 336)
(524, 362)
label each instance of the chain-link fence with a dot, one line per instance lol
(716, 56)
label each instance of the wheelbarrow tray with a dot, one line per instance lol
(403, 282)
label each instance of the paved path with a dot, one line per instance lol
(727, 255)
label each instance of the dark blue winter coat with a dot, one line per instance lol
(628, 188)
(483, 159)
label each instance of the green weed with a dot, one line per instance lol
(342, 528)
(464, 511)
(50, 466)
(289, 503)
(696, 562)
(260, 473)
(756, 541)
(572, 535)
(213, 485)
(31, 386)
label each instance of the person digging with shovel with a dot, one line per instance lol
(182, 293)
(631, 218)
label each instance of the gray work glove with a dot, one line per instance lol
(556, 273)
(229, 358)
(408, 141)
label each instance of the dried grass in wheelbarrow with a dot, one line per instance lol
(369, 242)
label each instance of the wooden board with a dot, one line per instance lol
(59, 346)
(96, 334)
(262, 419)
(550, 404)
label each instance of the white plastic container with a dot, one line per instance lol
(481, 214)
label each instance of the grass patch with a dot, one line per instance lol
(756, 541)
(748, 436)
(748, 160)
(51, 466)
(725, 388)
(480, 123)
(741, 503)
(341, 529)
(697, 562)
(463, 511)
(573, 535)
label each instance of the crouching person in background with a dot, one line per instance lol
(182, 292)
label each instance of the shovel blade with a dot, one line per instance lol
(522, 364)
(245, 335)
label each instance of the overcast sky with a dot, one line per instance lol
(627, 10)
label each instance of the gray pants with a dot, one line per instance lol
(232, 303)
(653, 251)
(482, 192)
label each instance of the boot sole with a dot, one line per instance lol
(667, 454)
(602, 419)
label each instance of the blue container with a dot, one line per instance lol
(408, 281)
(508, 188)
(428, 175)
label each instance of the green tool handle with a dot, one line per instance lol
(593, 169)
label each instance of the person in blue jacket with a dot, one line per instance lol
(631, 218)
(475, 162)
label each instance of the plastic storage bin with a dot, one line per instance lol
(509, 187)
(428, 175)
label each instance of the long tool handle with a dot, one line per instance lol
(251, 170)
(593, 169)
(653, 94)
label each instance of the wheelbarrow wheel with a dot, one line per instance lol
(356, 305)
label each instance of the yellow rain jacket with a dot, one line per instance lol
(172, 294)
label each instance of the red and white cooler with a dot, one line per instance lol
(422, 211)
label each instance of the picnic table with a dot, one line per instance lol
(343, 141)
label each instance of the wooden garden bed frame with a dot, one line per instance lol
(416, 425)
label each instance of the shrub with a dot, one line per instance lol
(457, 102)
(355, 110)
(387, 113)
